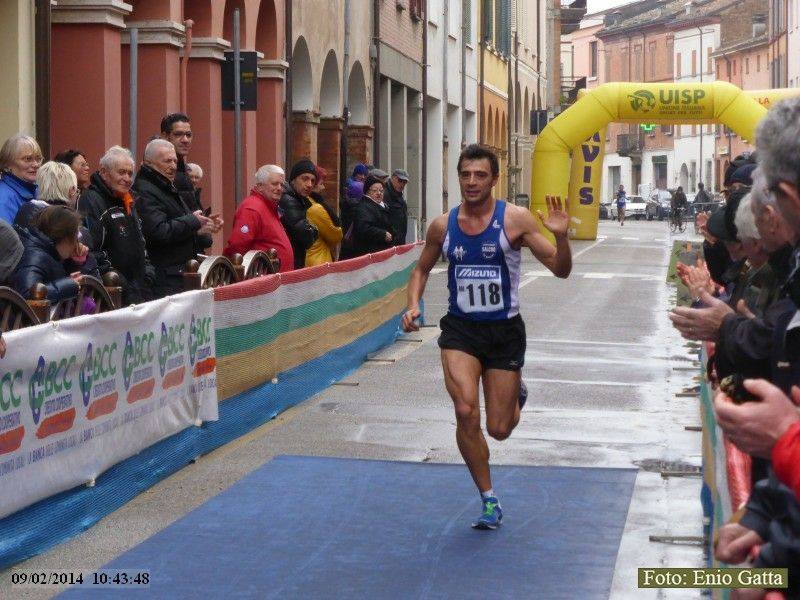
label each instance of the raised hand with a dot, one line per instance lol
(557, 220)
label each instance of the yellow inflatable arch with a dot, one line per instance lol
(568, 156)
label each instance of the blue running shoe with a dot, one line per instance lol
(523, 394)
(492, 515)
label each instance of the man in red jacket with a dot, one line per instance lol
(257, 224)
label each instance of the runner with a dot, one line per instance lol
(483, 335)
(622, 199)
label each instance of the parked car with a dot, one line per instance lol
(658, 205)
(634, 208)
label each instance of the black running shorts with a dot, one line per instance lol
(496, 344)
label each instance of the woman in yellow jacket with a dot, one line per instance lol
(327, 222)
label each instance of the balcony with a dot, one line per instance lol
(630, 145)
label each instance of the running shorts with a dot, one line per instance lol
(496, 344)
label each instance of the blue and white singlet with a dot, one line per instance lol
(483, 270)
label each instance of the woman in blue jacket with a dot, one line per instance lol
(49, 243)
(20, 158)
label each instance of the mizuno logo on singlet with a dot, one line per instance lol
(477, 272)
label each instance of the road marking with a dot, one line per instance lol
(587, 342)
(634, 239)
(577, 254)
(598, 275)
(437, 270)
(571, 382)
(528, 278)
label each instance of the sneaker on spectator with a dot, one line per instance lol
(491, 516)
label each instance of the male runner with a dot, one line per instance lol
(483, 335)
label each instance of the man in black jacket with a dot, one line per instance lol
(110, 214)
(170, 228)
(295, 204)
(177, 129)
(398, 208)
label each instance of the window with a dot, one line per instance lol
(651, 59)
(734, 68)
(487, 35)
(624, 59)
(666, 129)
(466, 14)
(637, 63)
(747, 66)
(678, 65)
(710, 65)
(593, 57)
(694, 63)
(758, 63)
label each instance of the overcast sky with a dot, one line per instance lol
(594, 6)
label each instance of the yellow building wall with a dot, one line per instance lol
(17, 78)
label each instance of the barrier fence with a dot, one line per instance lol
(96, 409)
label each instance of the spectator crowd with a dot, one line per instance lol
(60, 221)
(746, 294)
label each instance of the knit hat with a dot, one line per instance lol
(369, 182)
(360, 169)
(10, 251)
(722, 222)
(302, 166)
(379, 173)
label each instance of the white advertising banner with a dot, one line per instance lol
(80, 395)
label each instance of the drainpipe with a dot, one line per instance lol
(376, 82)
(512, 93)
(517, 120)
(345, 98)
(463, 78)
(538, 56)
(288, 106)
(445, 104)
(423, 208)
(482, 49)
(42, 76)
(187, 51)
(700, 168)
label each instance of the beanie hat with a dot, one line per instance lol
(360, 169)
(301, 167)
(369, 182)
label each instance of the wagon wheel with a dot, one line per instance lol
(216, 271)
(257, 263)
(14, 311)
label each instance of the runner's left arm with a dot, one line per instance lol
(557, 258)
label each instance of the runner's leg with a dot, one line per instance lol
(462, 374)
(501, 391)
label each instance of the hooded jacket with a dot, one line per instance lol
(41, 263)
(14, 192)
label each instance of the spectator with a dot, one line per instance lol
(177, 129)
(170, 229)
(702, 196)
(49, 243)
(115, 229)
(77, 161)
(355, 183)
(195, 174)
(10, 252)
(372, 228)
(257, 223)
(327, 222)
(20, 158)
(398, 208)
(347, 208)
(378, 173)
(295, 204)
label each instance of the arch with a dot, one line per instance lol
(302, 77)
(330, 95)
(201, 12)
(498, 133)
(267, 30)
(357, 96)
(660, 103)
(227, 24)
(683, 177)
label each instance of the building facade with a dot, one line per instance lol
(793, 43)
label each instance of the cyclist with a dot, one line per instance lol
(678, 206)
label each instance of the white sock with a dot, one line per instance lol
(487, 494)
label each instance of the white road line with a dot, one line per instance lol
(571, 382)
(577, 254)
(529, 277)
(587, 342)
(598, 275)
(437, 270)
(633, 239)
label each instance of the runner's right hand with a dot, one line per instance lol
(410, 320)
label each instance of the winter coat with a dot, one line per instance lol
(330, 232)
(257, 226)
(14, 192)
(371, 223)
(169, 228)
(301, 232)
(191, 198)
(41, 263)
(398, 213)
(115, 231)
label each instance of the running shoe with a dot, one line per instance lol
(523, 394)
(492, 515)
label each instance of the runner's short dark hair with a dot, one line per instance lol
(477, 152)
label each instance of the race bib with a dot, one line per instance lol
(479, 288)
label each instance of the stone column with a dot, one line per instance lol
(87, 75)
(18, 84)
(359, 145)
(270, 124)
(304, 136)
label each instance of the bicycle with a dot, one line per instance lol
(676, 222)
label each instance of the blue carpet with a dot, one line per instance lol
(307, 527)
